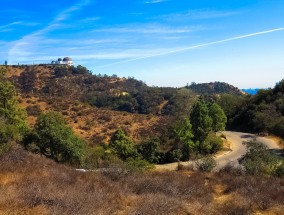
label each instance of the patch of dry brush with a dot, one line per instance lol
(30, 184)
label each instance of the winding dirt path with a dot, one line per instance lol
(230, 157)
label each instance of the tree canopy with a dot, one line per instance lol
(54, 139)
(201, 121)
(122, 145)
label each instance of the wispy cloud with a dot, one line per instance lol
(67, 13)
(195, 47)
(26, 46)
(200, 14)
(11, 26)
(154, 1)
(150, 29)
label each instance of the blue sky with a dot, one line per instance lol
(162, 42)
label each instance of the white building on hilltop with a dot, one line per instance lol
(66, 61)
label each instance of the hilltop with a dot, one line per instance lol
(215, 88)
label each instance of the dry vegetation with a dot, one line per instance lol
(96, 125)
(30, 184)
(93, 124)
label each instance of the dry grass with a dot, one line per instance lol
(33, 185)
(95, 124)
(30, 184)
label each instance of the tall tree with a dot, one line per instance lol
(201, 121)
(184, 135)
(218, 117)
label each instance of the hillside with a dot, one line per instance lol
(262, 113)
(97, 105)
(214, 88)
(43, 88)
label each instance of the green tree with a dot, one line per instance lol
(150, 150)
(12, 116)
(218, 117)
(201, 121)
(122, 146)
(184, 136)
(54, 139)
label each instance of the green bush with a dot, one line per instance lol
(175, 155)
(138, 164)
(150, 150)
(206, 164)
(212, 144)
(260, 161)
(122, 146)
(99, 157)
(54, 139)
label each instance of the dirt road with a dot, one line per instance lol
(231, 157)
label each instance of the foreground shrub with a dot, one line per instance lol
(206, 164)
(260, 161)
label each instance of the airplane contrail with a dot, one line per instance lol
(194, 47)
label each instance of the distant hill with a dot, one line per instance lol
(214, 88)
(251, 91)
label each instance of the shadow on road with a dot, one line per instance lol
(278, 152)
(246, 136)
